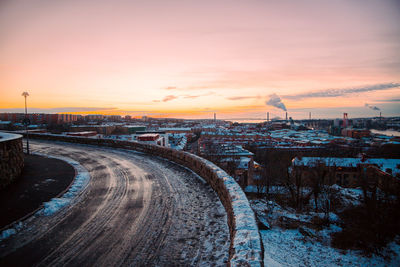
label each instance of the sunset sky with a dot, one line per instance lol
(189, 59)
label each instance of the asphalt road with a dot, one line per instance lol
(138, 210)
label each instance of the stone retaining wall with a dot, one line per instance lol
(11, 158)
(245, 249)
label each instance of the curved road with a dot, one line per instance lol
(138, 210)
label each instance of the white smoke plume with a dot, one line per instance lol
(275, 101)
(344, 91)
(372, 107)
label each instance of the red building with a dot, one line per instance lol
(148, 137)
(152, 138)
(356, 133)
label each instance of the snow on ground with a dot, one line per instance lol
(289, 247)
(349, 196)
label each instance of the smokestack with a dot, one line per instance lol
(215, 116)
(310, 115)
(345, 120)
(286, 115)
(267, 116)
(380, 115)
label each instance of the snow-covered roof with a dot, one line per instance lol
(209, 126)
(175, 129)
(134, 126)
(382, 164)
(151, 135)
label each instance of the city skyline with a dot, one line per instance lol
(190, 60)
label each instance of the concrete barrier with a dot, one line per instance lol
(245, 247)
(11, 158)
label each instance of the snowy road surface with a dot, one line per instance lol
(137, 210)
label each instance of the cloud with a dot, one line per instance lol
(276, 101)
(389, 100)
(196, 96)
(172, 97)
(171, 88)
(344, 91)
(371, 107)
(169, 98)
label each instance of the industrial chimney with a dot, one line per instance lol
(345, 120)
(286, 115)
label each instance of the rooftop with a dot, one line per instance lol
(382, 164)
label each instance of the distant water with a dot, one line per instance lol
(387, 132)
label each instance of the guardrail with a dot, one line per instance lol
(245, 247)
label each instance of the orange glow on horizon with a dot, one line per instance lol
(166, 59)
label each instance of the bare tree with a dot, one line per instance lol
(328, 193)
(319, 173)
(295, 183)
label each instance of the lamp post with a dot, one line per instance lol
(26, 122)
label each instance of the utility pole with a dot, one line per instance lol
(26, 122)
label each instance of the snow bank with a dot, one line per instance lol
(245, 237)
(7, 233)
(11, 231)
(81, 181)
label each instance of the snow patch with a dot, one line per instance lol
(54, 205)
(289, 247)
(7, 233)
(81, 181)
(11, 231)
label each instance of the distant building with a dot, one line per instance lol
(114, 118)
(152, 138)
(356, 133)
(346, 171)
(94, 117)
(236, 160)
(39, 118)
(5, 125)
(132, 129)
(100, 129)
(175, 130)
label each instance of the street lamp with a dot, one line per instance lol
(26, 122)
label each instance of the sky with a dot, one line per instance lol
(191, 59)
